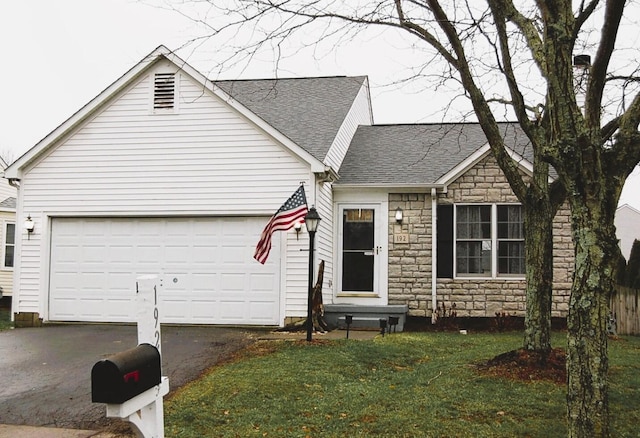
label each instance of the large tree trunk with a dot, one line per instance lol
(538, 229)
(587, 359)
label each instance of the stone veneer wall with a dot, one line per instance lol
(410, 263)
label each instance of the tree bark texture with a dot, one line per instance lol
(587, 359)
(538, 229)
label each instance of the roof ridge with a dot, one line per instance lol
(289, 78)
(378, 125)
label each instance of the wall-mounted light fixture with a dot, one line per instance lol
(297, 226)
(399, 215)
(29, 226)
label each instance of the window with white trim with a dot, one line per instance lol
(9, 244)
(480, 240)
(510, 240)
(473, 240)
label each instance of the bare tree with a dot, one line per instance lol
(525, 48)
(7, 156)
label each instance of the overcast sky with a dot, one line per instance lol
(58, 55)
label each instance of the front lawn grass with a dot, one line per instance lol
(402, 385)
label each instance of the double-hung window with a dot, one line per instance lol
(9, 244)
(510, 240)
(480, 240)
(473, 240)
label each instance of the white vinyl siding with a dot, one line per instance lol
(359, 114)
(207, 159)
(204, 160)
(298, 255)
(6, 190)
(626, 220)
(324, 239)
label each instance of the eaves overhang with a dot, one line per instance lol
(479, 154)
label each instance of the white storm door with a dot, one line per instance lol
(359, 249)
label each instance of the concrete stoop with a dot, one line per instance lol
(365, 316)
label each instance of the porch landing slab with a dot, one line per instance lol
(365, 316)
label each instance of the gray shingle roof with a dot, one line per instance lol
(309, 111)
(417, 153)
(8, 203)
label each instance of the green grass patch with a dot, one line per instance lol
(404, 385)
(5, 319)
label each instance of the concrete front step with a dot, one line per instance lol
(365, 316)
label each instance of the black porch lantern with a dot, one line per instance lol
(311, 220)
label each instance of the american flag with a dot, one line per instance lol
(291, 212)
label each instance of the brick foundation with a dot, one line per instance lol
(27, 319)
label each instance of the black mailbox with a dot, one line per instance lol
(121, 377)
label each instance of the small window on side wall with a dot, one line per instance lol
(9, 245)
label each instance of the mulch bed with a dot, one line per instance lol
(528, 366)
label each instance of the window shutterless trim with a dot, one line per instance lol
(495, 243)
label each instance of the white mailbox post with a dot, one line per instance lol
(145, 410)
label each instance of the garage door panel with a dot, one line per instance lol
(204, 310)
(262, 282)
(231, 312)
(118, 309)
(257, 310)
(206, 268)
(203, 282)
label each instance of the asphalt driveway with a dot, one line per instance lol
(45, 377)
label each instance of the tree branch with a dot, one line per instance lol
(483, 112)
(627, 155)
(597, 77)
(528, 30)
(519, 105)
(583, 15)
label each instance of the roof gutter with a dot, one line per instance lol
(328, 175)
(406, 188)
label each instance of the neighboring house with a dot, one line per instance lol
(627, 228)
(8, 195)
(168, 173)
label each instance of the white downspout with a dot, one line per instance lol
(434, 254)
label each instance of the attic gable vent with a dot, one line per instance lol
(164, 90)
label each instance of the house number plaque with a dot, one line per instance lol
(401, 238)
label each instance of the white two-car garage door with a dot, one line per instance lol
(205, 266)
